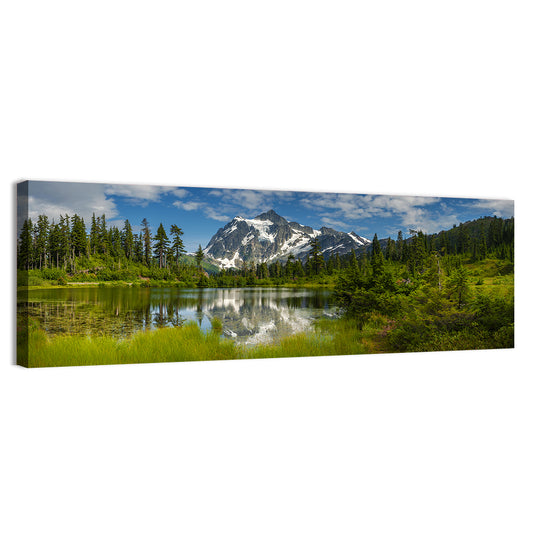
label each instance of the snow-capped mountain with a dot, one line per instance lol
(269, 237)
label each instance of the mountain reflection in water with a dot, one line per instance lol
(249, 315)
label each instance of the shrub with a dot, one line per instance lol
(52, 273)
(493, 313)
(216, 325)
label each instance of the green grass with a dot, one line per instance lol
(491, 277)
(188, 343)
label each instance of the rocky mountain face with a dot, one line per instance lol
(269, 237)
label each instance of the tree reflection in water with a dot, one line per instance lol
(250, 315)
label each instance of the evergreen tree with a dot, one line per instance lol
(54, 239)
(127, 239)
(416, 253)
(315, 258)
(94, 237)
(64, 239)
(400, 249)
(482, 249)
(78, 236)
(289, 267)
(337, 262)
(25, 248)
(147, 241)
(390, 250)
(458, 285)
(41, 230)
(199, 257)
(177, 243)
(115, 242)
(463, 240)
(376, 259)
(299, 271)
(138, 253)
(262, 271)
(161, 246)
(104, 236)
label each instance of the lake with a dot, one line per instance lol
(248, 315)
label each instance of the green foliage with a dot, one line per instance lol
(186, 343)
(216, 325)
(436, 310)
(493, 314)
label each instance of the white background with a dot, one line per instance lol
(383, 97)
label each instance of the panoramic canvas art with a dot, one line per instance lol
(115, 273)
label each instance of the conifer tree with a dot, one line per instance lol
(138, 247)
(115, 242)
(400, 247)
(390, 250)
(94, 237)
(78, 236)
(41, 240)
(104, 236)
(54, 240)
(289, 266)
(299, 269)
(376, 258)
(315, 258)
(25, 249)
(161, 246)
(127, 239)
(147, 241)
(199, 257)
(177, 243)
(64, 239)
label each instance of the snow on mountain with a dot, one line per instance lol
(269, 237)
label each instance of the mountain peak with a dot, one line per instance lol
(272, 216)
(269, 237)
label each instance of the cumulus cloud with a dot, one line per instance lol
(180, 192)
(189, 206)
(54, 198)
(349, 207)
(232, 202)
(498, 208)
(139, 194)
(59, 198)
(335, 223)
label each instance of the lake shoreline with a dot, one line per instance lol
(189, 343)
(177, 285)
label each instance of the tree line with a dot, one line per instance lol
(44, 244)
(70, 246)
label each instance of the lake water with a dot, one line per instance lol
(248, 315)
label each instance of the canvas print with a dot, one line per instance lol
(115, 273)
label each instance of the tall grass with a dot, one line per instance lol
(187, 343)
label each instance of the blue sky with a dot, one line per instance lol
(200, 212)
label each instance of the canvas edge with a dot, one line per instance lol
(22, 321)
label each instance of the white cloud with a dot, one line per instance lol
(188, 206)
(232, 202)
(499, 208)
(354, 207)
(335, 223)
(180, 193)
(212, 213)
(59, 198)
(139, 194)
(54, 198)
